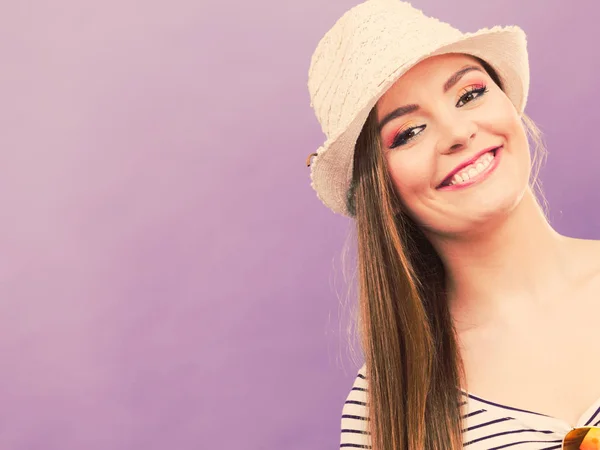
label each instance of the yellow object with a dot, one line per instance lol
(591, 441)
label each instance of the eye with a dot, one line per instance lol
(473, 92)
(405, 136)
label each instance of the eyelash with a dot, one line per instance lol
(403, 137)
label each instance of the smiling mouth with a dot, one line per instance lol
(474, 171)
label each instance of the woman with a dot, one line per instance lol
(476, 316)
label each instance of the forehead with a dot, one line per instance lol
(427, 74)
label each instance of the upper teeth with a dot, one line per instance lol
(473, 169)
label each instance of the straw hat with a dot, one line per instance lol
(365, 52)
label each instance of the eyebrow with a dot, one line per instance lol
(406, 109)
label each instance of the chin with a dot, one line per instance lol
(483, 208)
(497, 200)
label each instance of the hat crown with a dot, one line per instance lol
(358, 53)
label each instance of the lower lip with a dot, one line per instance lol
(479, 177)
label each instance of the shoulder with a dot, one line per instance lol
(586, 254)
(588, 247)
(583, 261)
(354, 413)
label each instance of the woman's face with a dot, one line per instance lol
(437, 145)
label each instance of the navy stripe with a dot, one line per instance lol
(359, 389)
(349, 416)
(505, 407)
(474, 427)
(474, 413)
(360, 375)
(355, 446)
(346, 430)
(593, 417)
(355, 402)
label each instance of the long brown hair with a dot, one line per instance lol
(414, 370)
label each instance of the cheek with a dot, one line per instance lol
(411, 172)
(503, 119)
(515, 134)
(501, 115)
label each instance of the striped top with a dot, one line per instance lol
(486, 425)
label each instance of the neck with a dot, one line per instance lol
(516, 264)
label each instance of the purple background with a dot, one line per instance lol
(168, 278)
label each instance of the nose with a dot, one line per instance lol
(457, 131)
